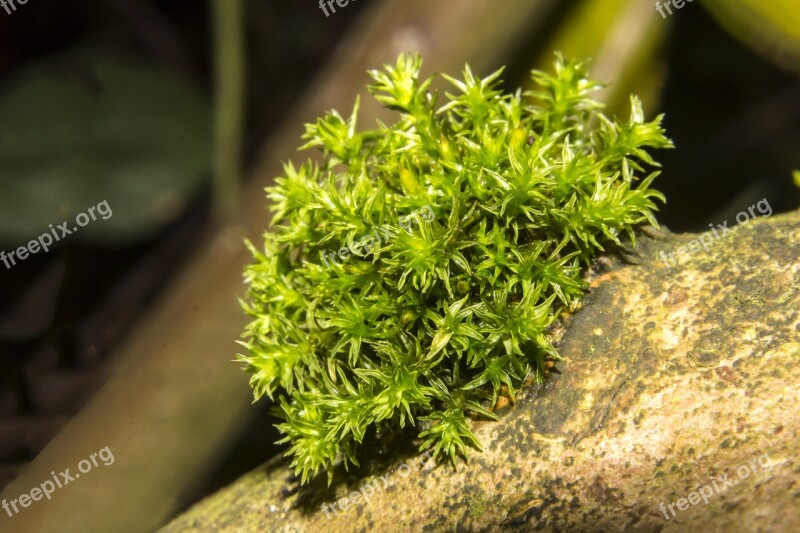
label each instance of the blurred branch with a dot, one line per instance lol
(155, 32)
(771, 28)
(624, 39)
(229, 105)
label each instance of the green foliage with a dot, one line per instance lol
(90, 126)
(432, 322)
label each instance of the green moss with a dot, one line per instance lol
(477, 505)
(411, 278)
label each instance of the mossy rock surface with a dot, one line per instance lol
(675, 376)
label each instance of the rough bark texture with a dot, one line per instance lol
(673, 378)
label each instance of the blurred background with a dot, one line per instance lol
(178, 113)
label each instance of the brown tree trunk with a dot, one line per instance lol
(679, 386)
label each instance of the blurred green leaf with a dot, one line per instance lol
(771, 27)
(87, 127)
(625, 37)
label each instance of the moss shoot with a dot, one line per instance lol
(410, 277)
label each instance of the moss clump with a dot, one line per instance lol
(413, 275)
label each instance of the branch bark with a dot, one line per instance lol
(675, 377)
